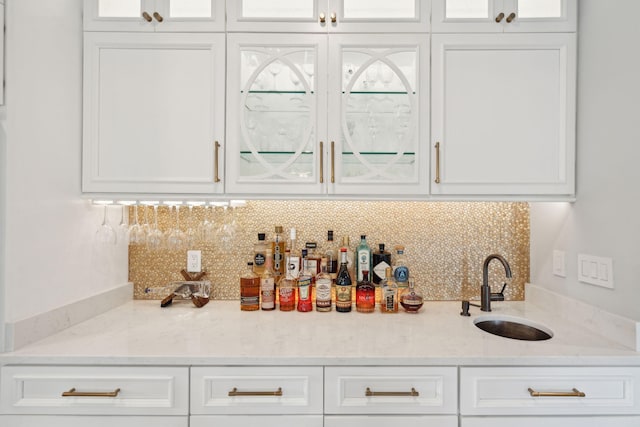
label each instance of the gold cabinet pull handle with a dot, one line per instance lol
(158, 17)
(500, 17)
(333, 158)
(216, 175)
(511, 17)
(321, 162)
(234, 392)
(147, 17)
(573, 393)
(413, 393)
(437, 180)
(323, 18)
(74, 393)
(333, 17)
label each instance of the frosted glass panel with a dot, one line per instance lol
(119, 8)
(467, 9)
(277, 9)
(540, 8)
(190, 8)
(383, 9)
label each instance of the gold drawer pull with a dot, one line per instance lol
(147, 17)
(158, 17)
(511, 17)
(412, 393)
(216, 170)
(437, 180)
(235, 392)
(500, 17)
(573, 393)
(74, 393)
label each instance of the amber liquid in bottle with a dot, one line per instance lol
(365, 294)
(249, 290)
(287, 291)
(305, 301)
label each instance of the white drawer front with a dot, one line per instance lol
(592, 421)
(391, 421)
(435, 390)
(256, 421)
(142, 390)
(505, 391)
(301, 390)
(91, 420)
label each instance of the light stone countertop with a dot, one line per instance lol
(141, 332)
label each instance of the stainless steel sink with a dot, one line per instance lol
(513, 327)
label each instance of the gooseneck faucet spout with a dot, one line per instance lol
(486, 296)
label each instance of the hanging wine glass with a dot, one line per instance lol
(154, 239)
(175, 237)
(123, 226)
(137, 235)
(191, 236)
(105, 233)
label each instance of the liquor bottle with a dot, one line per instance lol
(268, 284)
(350, 260)
(323, 289)
(363, 258)
(293, 265)
(343, 285)
(259, 254)
(381, 260)
(331, 257)
(411, 300)
(400, 270)
(313, 258)
(287, 291)
(365, 294)
(304, 285)
(278, 247)
(249, 290)
(389, 297)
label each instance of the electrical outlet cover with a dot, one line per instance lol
(194, 261)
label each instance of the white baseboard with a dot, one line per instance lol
(23, 332)
(619, 329)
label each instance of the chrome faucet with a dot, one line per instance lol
(486, 296)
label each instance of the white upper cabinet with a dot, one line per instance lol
(320, 16)
(153, 113)
(497, 16)
(154, 15)
(503, 114)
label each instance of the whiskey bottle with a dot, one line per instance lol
(304, 285)
(313, 258)
(287, 291)
(323, 289)
(411, 300)
(259, 254)
(363, 258)
(278, 247)
(331, 257)
(249, 290)
(365, 294)
(268, 284)
(389, 297)
(343, 285)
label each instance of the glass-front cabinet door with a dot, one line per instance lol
(276, 105)
(378, 114)
(154, 15)
(457, 16)
(321, 16)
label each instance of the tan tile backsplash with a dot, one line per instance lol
(446, 242)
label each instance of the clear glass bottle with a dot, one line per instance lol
(323, 289)
(278, 248)
(259, 254)
(249, 290)
(363, 258)
(268, 284)
(343, 284)
(400, 270)
(293, 265)
(287, 291)
(389, 293)
(305, 301)
(411, 300)
(365, 294)
(331, 256)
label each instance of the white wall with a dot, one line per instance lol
(605, 220)
(51, 258)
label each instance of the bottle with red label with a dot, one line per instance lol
(365, 294)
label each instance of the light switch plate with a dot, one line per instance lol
(194, 261)
(559, 264)
(595, 270)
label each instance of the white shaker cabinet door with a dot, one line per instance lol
(503, 114)
(153, 113)
(154, 15)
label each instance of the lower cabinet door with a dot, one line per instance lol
(391, 421)
(613, 421)
(93, 421)
(256, 421)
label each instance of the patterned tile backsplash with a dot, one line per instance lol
(445, 242)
